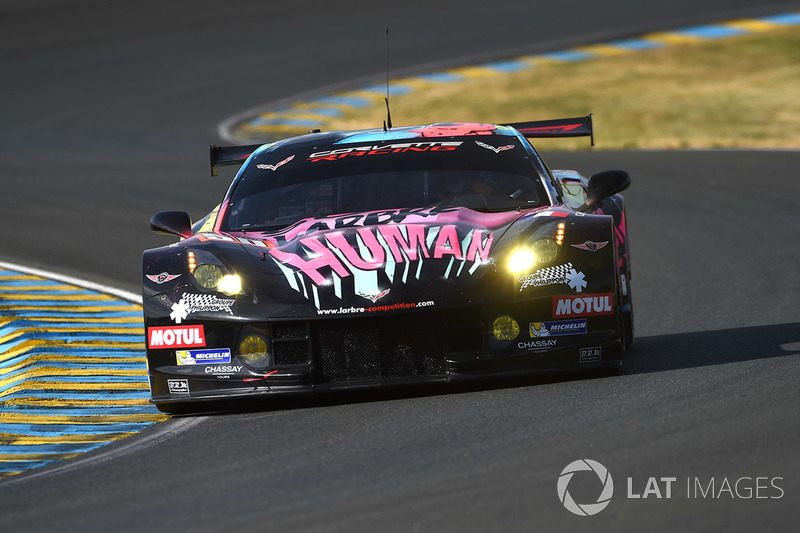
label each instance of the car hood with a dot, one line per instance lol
(386, 260)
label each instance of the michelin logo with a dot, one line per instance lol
(203, 357)
(558, 327)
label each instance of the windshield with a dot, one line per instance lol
(279, 188)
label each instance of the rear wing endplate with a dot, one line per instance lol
(559, 127)
(229, 155)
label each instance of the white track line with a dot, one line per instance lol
(125, 295)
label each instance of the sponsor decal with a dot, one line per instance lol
(197, 303)
(376, 246)
(493, 149)
(162, 278)
(589, 305)
(178, 386)
(373, 256)
(372, 218)
(203, 357)
(176, 337)
(558, 327)
(378, 308)
(589, 355)
(556, 275)
(276, 165)
(590, 246)
(381, 149)
(223, 369)
(537, 345)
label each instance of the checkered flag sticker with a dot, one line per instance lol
(554, 275)
(197, 303)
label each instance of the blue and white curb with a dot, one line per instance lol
(269, 123)
(73, 374)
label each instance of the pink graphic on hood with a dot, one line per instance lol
(374, 245)
(375, 250)
(450, 215)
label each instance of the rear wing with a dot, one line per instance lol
(559, 127)
(229, 155)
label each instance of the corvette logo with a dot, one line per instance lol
(375, 296)
(276, 165)
(162, 278)
(590, 246)
(493, 149)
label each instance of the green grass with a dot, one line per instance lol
(735, 92)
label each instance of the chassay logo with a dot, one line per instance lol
(586, 509)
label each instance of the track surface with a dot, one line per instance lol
(107, 111)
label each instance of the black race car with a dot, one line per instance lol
(391, 256)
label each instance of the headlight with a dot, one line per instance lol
(537, 253)
(208, 276)
(505, 328)
(545, 250)
(521, 261)
(230, 284)
(254, 352)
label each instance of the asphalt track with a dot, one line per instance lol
(106, 115)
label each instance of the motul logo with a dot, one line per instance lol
(591, 304)
(176, 337)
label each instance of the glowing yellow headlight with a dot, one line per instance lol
(208, 276)
(505, 328)
(521, 261)
(253, 350)
(230, 284)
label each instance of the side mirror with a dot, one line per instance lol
(173, 223)
(604, 184)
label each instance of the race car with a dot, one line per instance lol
(398, 255)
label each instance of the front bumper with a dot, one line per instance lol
(393, 349)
